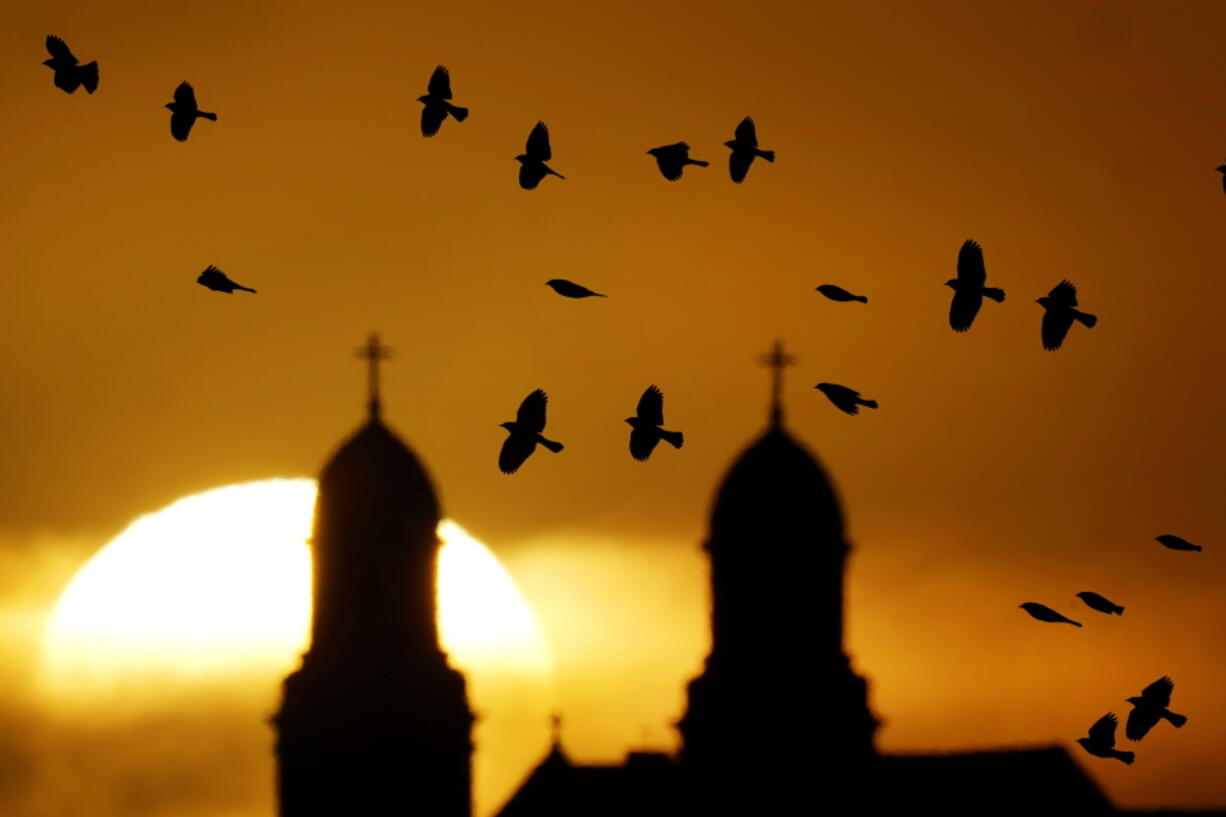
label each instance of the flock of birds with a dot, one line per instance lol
(525, 433)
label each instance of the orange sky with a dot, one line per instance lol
(1073, 140)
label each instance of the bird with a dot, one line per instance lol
(744, 146)
(1150, 707)
(646, 432)
(836, 293)
(1101, 740)
(569, 289)
(1174, 542)
(1044, 613)
(1222, 169)
(216, 280)
(1103, 605)
(968, 287)
(435, 105)
(1059, 314)
(184, 113)
(672, 159)
(532, 161)
(524, 433)
(845, 399)
(68, 74)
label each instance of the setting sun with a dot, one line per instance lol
(220, 582)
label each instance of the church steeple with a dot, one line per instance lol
(777, 676)
(375, 721)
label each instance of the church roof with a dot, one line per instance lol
(775, 478)
(646, 785)
(374, 464)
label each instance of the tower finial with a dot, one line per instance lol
(777, 360)
(555, 729)
(374, 352)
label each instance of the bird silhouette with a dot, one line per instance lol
(524, 434)
(645, 432)
(1222, 169)
(216, 280)
(1044, 613)
(1174, 542)
(836, 293)
(435, 105)
(184, 113)
(1059, 314)
(532, 161)
(569, 289)
(68, 74)
(845, 399)
(968, 287)
(744, 146)
(1150, 707)
(1100, 603)
(672, 159)
(1101, 740)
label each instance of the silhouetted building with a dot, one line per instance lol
(778, 723)
(375, 721)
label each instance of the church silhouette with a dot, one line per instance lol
(376, 721)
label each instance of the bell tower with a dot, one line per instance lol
(375, 721)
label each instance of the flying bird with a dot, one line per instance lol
(1100, 603)
(1101, 742)
(1150, 707)
(836, 293)
(646, 432)
(524, 434)
(68, 74)
(184, 113)
(968, 287)
(1059, 314)
(1222, 169)
(845, 399)
(1174, 542)
(744, 146)
(435, 105)
(672, 159)
(216, 280)
(1044, 613)
(532, 161)
(569, 289)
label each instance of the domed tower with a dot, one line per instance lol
(777, 707)
(374, 721)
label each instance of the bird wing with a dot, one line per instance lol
(651, 406)
(181, 125)
(642, 442)
(1159, 692)
(670, 166)
(1055, 328)
(440, 83)
(970, 264)
(963, 309)
(1140, 720)
(184, 95)
(515, 449)
(1103, 730)
(531, 414)
(738, 164)
(746, 133)
(1063, 294)
(538, 143)
(59, 49)
(530, 174)
(432, 117)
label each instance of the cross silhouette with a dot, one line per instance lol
(374, 352)
(777, 360)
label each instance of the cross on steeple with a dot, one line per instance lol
(374, 352)
(777, 360)
(555, 728)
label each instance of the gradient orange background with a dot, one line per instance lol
(1073, 140)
